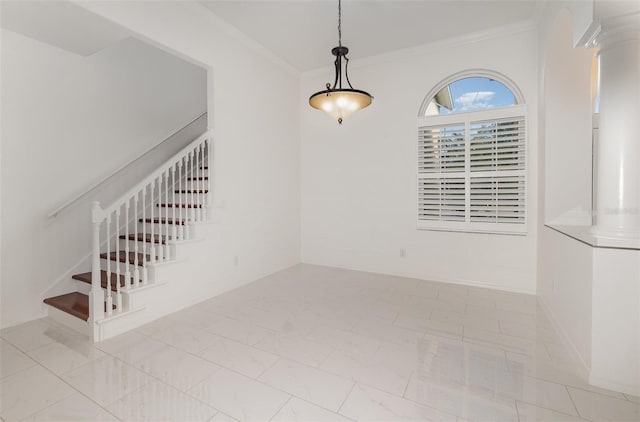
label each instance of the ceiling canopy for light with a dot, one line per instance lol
(336, 101)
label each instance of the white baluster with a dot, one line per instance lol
(189, 201)
(165, 243)
(201, 184)
(127, 272)
(174, 186)
(144, 235)
(203, 171)
(209, 171)
(136, 248)
(109, 299)
(205, 174)
(152, 248)
(194, 188)
(198, 166)
(96, 303)
(182, 193)
(184, 211)
(162, 216)
(126, 259)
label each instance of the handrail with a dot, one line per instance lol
(94, 186)
(167, 164)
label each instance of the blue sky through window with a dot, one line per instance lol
(471, 94)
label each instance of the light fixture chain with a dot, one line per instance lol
(340, 23)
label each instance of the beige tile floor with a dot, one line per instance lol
(312, 344)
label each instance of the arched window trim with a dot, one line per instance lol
(471, 73)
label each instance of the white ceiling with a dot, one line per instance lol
(61, 24)
(302, 32)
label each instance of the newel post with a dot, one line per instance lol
(96, 297)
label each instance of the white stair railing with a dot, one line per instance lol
(175, 195)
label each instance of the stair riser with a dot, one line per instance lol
(193, 184)
(184, 198)
(187, 213)
(82, 287)
(199, 172)
(160, 252)
(71, 321)
(114, 266)
(86, 287)
(158, 227)
(141, 245)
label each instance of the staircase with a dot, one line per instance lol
(132, 239)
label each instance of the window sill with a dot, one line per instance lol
(475, 231)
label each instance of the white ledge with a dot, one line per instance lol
(585, 234)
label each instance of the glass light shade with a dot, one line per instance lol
(340, 103)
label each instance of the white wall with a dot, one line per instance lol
(359, 179)
(69, 121)
(591, 293)
(254, 112)
(568, 111)
(616, 320)
(565, 290)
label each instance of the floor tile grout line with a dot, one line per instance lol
(280, 408)
(265, 384)
(132, 366)
(418, 403)
(607, 396)
(275, 362)
(59, 376)
(346, 397)
(515, 403)
(572, 401)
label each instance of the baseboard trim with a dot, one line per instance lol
(609, 384)
(583, 369)
(469, 283)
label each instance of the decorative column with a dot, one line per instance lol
(617, 201)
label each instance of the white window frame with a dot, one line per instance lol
(465, 119)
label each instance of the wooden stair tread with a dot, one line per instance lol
(86, 278)
(198, 178)
(192, 191)
(162, 221)
(145, 238)
(204, 167)
(122, 257)
(179, 205)
(75, 303)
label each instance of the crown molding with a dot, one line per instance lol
(435, 46)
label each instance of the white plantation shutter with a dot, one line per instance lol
(441, 199)
(441, 149)
(497, 199)
(497, 144)
(472, 171)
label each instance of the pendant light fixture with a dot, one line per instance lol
(336, 101)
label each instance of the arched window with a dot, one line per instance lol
(472, 155)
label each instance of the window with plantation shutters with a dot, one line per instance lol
(472, 171)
